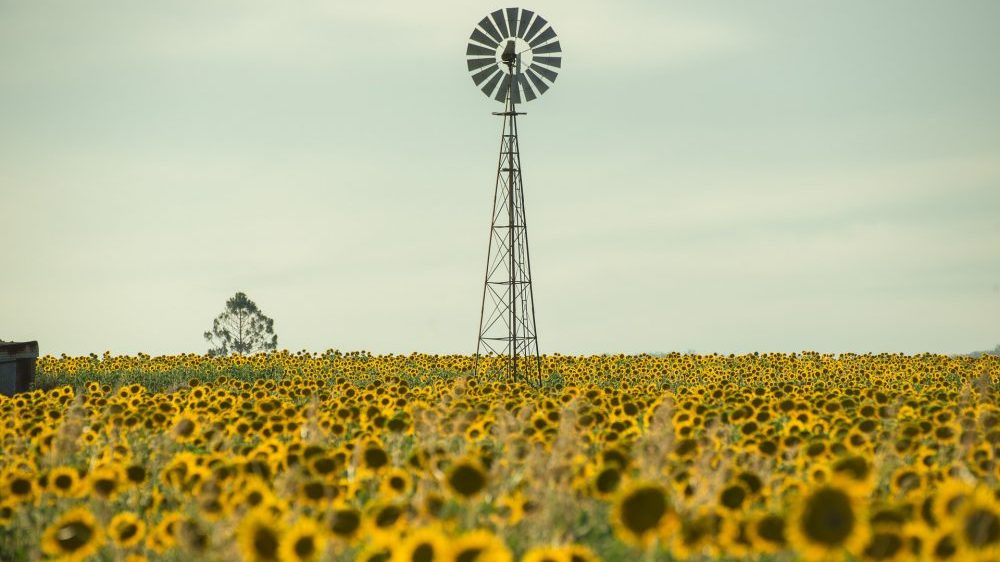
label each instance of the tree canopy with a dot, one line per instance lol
(241, 328)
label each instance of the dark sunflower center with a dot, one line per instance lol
(772, 529)
(643, 509)
(376, 458)
(828, 518)
(883, 546)
(136, 474)
(265, 543)
(324, 465)
(127, 531)
(467, 480)
(345, 522)
(733, 496)
(423, 553)
(185, 427)
(63, 482)
(982, 527)
(945, 548)
(608, 480)
(74, 535)
(314, 490)
(105, 486)
(387, 516)
(20, 487)
(470, 554)
(305, 547)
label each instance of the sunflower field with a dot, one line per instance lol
(302, 457)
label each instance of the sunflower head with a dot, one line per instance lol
(466, 478)
(126, 530)
(73, 536)
(259, 536)
(303, 542)
(828, 520)
(641, 513)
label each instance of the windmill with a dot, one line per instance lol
(513, 57)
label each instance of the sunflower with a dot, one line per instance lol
(106, 482)
(164, 536)
(185, 429)
(733, 497)
(466, 478)
(480, 546)
(384, 518)
(126, 530)
(641, 512)
(6, 511)
(826, 521)
(344, 522)
(74, 536)
(949, 498)
(259, 535)
(396, 482)
(979, 524)
(20, 486)
(885, 545)
(64, 481)
(303, 542)
(605, 480)
(423, 545)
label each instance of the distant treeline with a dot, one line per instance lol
(994, 351)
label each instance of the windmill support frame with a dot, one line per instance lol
(507, 328)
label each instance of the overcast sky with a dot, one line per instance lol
(709, 176)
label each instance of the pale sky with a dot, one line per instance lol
(723, 176)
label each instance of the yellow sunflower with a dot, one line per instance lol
(259, 536)
(74, 536)
(466, 478)
(126, 530)
(303, 542)
(979, 524)
(826, 521)
(423, 545)
(641, 512)
(64, 481)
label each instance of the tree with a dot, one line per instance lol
(241, 328)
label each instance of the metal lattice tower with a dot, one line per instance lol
(512, 53)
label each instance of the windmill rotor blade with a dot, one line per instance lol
(479, 50)
(501, 23)
(539, 84)
(522, 24)
(543, 37)
(503, 90)
(548, 74)
(536, 26)
(512, 21)
(475, 64)
(547, 48)
(482, 75)
(487, 26)
(551, 61)
(478, 35)
(528, 93)
(488, 88)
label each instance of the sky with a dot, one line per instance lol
(723, 176)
